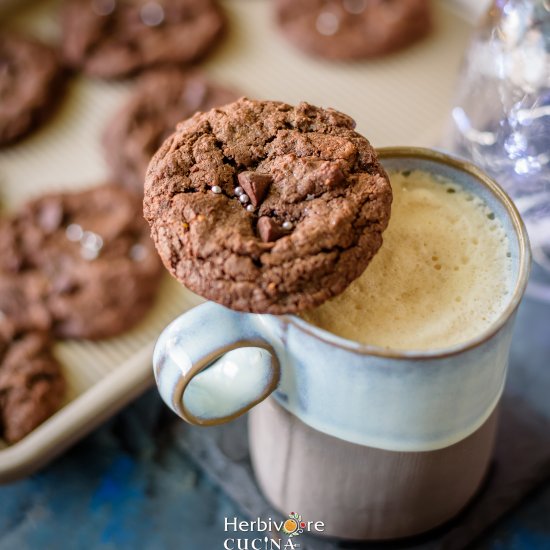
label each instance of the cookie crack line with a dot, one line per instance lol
(274, 156)
(236, 166)
(287, 126)
(288, 264)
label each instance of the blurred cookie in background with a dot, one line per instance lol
(23, 306)
(353, 29)
(31, 84)
(115, 38)
(9, 6)
(32, 385)
(93, 252)
(162, 99)
(23, 291)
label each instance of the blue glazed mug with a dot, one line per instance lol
(213, 364)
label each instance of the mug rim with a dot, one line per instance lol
(517, 293)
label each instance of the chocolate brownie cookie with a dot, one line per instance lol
(353, 29)
(23, 303)
(93, 252)
(22, 292)
(114, 38)
(266, 207)
(31, 82)
(32, 386)
(161, 100)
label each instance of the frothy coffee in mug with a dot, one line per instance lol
(442, 276)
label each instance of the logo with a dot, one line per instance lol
(276, 535)
(294, 525)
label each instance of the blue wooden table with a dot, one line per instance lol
(129, 486)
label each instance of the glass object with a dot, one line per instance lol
(501, 117)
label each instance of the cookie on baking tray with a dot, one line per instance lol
(162, 99)
(353, 29)
(265, 207)
(31, 83)
(32, 386)
(115, 38)
(96, 265)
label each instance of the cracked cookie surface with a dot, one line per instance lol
(265, 207)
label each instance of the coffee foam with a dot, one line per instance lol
(442, 276)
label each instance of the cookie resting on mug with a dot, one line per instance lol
(265, 207)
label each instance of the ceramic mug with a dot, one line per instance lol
(213, 364)
(377, 443)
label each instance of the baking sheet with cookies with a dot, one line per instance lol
(402, 99)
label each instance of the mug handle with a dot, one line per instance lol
(213, 364)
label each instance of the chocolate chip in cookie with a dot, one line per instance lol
(254, 185)
(320, 199)
(269, 229)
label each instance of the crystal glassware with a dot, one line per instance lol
(501, 116)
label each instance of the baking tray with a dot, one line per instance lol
(401, 99)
